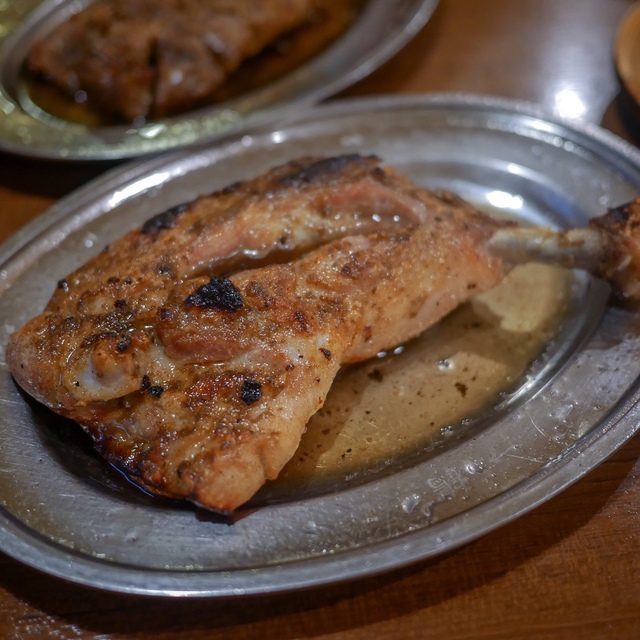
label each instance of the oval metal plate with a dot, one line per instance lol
(61, 513)
(379, 32)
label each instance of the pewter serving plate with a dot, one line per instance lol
(380, 30)
(65, 512)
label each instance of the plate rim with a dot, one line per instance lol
(347, 566)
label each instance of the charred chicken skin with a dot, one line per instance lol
(195, 349)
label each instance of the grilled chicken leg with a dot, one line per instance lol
(196, 366)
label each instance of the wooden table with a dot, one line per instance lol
(569, 569)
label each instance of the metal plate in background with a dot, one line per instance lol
(59, 512)
(378, 33)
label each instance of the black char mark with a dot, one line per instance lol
(321, 169)
(218, 293)
(153, 390)
(165, 220)
(622, 213)
(251, 391)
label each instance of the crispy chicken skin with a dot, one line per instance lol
(195, 349)
(155, 58)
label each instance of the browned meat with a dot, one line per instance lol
(195, 374)
(154, 58)
(195, 349)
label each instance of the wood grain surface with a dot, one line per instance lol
(568, 569)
